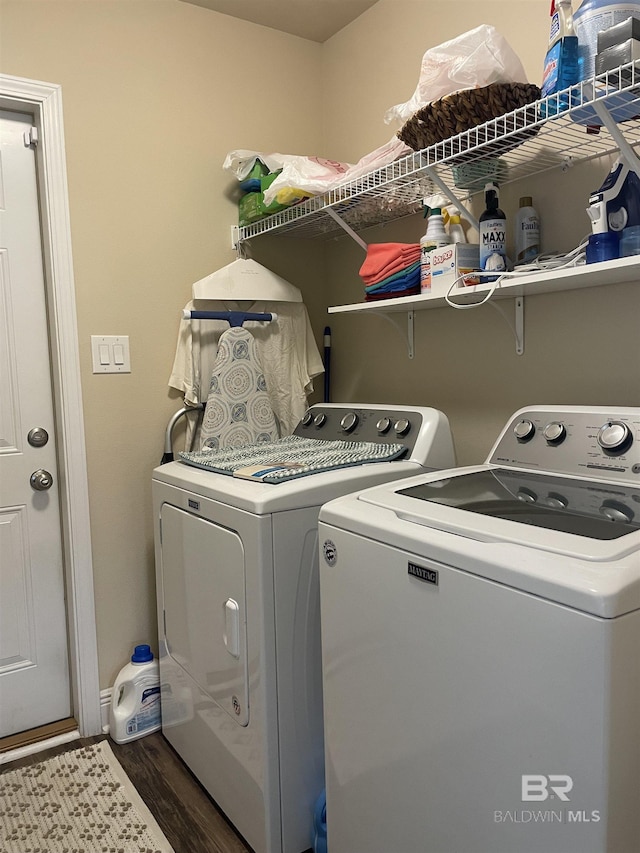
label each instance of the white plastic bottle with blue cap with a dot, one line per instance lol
(135, 704)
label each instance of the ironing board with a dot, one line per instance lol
(238, 411)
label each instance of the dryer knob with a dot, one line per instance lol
(614, 436)
(554, 432)
(307, 418)
(349, 422)
(383, 425)
(402, 426)
(320, 420)
(524, 430)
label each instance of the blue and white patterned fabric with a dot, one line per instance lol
(293, 456)
(238, 411)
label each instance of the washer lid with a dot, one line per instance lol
(578, 507)
(589, 520)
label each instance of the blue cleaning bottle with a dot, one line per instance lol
(561, 68)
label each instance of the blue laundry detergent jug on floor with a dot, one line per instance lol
(320, 825)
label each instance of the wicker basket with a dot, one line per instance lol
(453, 114)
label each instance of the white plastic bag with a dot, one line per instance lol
(475, 58)
(301, 176)
(305, 178)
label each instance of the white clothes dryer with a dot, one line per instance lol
(238, 617)
(481, 648)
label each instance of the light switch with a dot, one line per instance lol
(110, 354)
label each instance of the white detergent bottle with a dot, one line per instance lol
(527, 232)
(434, 237)
(135, 704)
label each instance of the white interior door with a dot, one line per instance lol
(34, 668)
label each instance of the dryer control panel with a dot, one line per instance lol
(587, 442)
(381, 425)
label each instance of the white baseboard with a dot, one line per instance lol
(105, 704)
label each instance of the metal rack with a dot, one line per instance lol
(597, 117)
(553, 133)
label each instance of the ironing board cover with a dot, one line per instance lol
(290, 457)
(238, 411)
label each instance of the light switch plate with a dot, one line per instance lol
(110, 353)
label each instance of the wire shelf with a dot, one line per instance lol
(553, 133)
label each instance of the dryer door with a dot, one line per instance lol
(204, 606)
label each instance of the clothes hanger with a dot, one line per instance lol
(245, 280)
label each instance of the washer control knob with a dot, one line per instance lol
(526, 495)
(616, 511)
(383, 425)
(614, 436)
(524, 430)
(307, 418)
(349, 422)
(320, 420)
(402, 426)
(554, 432)
(556, 501)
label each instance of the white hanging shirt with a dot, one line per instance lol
(286, 348)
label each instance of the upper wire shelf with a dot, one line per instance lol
(555, 132)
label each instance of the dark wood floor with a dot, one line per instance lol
(186, 814)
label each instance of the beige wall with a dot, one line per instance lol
(155, 93)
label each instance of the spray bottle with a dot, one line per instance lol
(456, 231)
(561, 62)
(434, 236)
(493, 235)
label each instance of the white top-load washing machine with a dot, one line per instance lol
(481, 648)
(239, 610)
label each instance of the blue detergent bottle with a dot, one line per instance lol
(561, 67)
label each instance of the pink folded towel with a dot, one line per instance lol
(384, 259)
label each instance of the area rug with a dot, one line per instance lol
(79, 802)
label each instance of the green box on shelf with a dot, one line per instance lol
(251, 206)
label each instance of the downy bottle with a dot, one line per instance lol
(561, 62)
(493, 235)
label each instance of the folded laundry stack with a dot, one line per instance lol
(391, 270)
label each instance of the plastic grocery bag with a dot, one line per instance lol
(476, 58)
(302, 177)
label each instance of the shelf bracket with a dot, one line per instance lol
(626, 149)
(410, 328)
(346, 228)
(519, 324)
(517, 327)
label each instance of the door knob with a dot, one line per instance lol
(41, 480)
